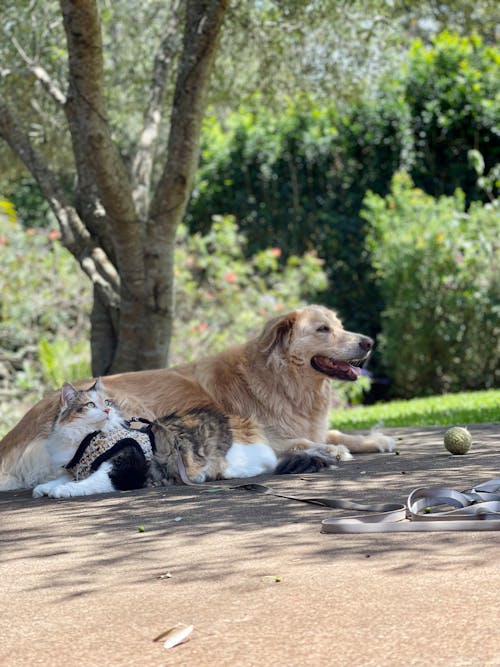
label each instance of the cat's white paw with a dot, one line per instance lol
(340, 452)
(44, 489)
(61, 491)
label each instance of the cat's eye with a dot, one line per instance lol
(108, 402)
(323, 329)
(90, 404)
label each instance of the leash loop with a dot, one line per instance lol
(427, 509)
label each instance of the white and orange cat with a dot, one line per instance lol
(86, 420)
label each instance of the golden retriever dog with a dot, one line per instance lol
(280, 380)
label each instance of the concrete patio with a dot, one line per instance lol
(81, 584)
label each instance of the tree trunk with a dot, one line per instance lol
(120, 230)
(103, 335)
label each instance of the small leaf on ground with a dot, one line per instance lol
(174, 636)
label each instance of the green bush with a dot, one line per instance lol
(452, 89)
(436, 265)
(297, 182)
(32, 208)
(62, 361)
(41, 296)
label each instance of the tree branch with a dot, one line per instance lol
(88, 114)
(75, 235)
(41, 75)
(92, 141)
(142, 164)
(87, 195)
(202, 27)
(203, 21)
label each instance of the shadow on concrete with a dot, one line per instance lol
(213, 531)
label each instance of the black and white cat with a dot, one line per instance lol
(80, 447)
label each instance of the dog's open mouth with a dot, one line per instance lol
(340, 370)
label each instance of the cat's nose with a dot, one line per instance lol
(106, 410)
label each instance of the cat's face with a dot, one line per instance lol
(90, 409)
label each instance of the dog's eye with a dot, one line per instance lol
(323, 329)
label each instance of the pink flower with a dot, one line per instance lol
(231, 277)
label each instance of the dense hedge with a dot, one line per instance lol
(437, 267)
(453, 96)
(298, 181)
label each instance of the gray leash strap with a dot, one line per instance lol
(332, 503)
(474, 510)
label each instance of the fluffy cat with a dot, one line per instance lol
(80, 452)
(204, 445)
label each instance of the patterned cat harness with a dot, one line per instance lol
(98, 447)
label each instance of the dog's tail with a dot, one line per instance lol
(305, 461)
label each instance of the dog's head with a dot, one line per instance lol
(314, 339)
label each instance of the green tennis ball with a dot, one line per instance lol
(457, 440)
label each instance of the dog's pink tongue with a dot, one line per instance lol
(335, 368)
(344, 367)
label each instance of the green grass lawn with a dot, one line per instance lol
(457, 409)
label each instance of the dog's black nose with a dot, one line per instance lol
(366, 344)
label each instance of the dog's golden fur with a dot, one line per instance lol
(271, 380)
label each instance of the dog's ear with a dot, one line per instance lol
(97, 386)
(277, 333)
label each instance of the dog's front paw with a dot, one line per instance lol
(384, 443)
(340, 452)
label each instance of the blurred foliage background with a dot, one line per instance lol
(350, 156)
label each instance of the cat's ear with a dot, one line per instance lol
(67, 393)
